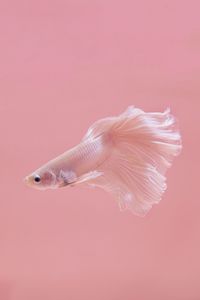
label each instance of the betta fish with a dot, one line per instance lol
(126, 155)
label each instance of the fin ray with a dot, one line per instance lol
(144, 147)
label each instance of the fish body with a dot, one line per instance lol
(126, 155)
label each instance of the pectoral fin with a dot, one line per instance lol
(67, 178)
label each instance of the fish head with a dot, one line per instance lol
(42, 179)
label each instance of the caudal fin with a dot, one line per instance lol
(144, 145)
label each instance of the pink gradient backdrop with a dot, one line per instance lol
(64, 64)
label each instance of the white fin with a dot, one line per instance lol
(66, 177)
(144, 145)
(87, 177)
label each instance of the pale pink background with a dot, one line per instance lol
(63, 65)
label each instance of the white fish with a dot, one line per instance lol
(126, 155)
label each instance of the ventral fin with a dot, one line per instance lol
(86, 178)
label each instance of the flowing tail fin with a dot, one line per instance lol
(144, 145)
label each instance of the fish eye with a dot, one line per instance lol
(37, 178)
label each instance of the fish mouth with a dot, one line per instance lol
(28, 181)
